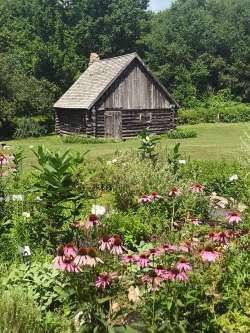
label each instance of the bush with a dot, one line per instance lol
(86, 139)
(29, 127)
(181, 134)
(19, 313)
(229, 112)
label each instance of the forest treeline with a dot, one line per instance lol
(196, 48)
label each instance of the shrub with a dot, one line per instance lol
(29, 127)
(19, 313)
(86, 139)
(230, 112)
(181, 134)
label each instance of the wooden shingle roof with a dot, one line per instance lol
(95, 81)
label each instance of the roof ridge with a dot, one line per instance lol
(121, 56)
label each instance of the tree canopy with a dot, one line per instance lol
(196, 48)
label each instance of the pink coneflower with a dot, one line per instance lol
(211, 234)
(222, 237)
(117, 247)
(196, 188)
(93, 259)
(13, 170)
(168, 275)
(208, 254)
(178, 275)
(65, 262)
(169, 248)
(105, 243)
(181, 276)
(142, 260)
(82, 258)
(185, 246)
(233, 217)
(174, 192)
(161, 271)
(178, 225)
(155, 252)
(92, 221)
(183, 265)
(3, 159)
(76, 224)
(197, 222)
(128, 259)
(105, 280)
(144, 199)
(152, 280)
(70, 250)
(154, 196)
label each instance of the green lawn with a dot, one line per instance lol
(214, 141)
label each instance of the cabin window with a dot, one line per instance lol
(146, 117)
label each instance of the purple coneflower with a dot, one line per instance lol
(93, 259)
(197, 222)
(154, 196)
(105, 243)
(128, 259)
(70, 250)
(117, 247)
(142, 260)
(82, 258)
(105, 280)
(169, 248)
(196, 188)
(76, 224)
(222, 237)
(174, 192)
(161, 271)
(183, 265)
(155, 252)
(92, 221)
(65, 262)
(152, 280)
(168, 275)
(185, 246)
(208, 254)
(144, 199)
(233, 217)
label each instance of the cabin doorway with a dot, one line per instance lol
(113, 124)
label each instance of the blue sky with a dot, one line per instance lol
(159, 4)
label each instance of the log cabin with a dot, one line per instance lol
(116, 97)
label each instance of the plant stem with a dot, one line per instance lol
(173, 213)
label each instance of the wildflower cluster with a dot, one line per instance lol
(7, 165)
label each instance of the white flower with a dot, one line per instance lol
(17, 197)
(39, 198)
(25, 251)
(182, 161)
(1, 199)
(233, 178)
(114, 161)
(98, 210)
(26, 214)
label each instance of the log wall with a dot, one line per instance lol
(158, 121)
(71, 122)
(134, 121)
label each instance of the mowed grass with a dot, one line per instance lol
(220, 141)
